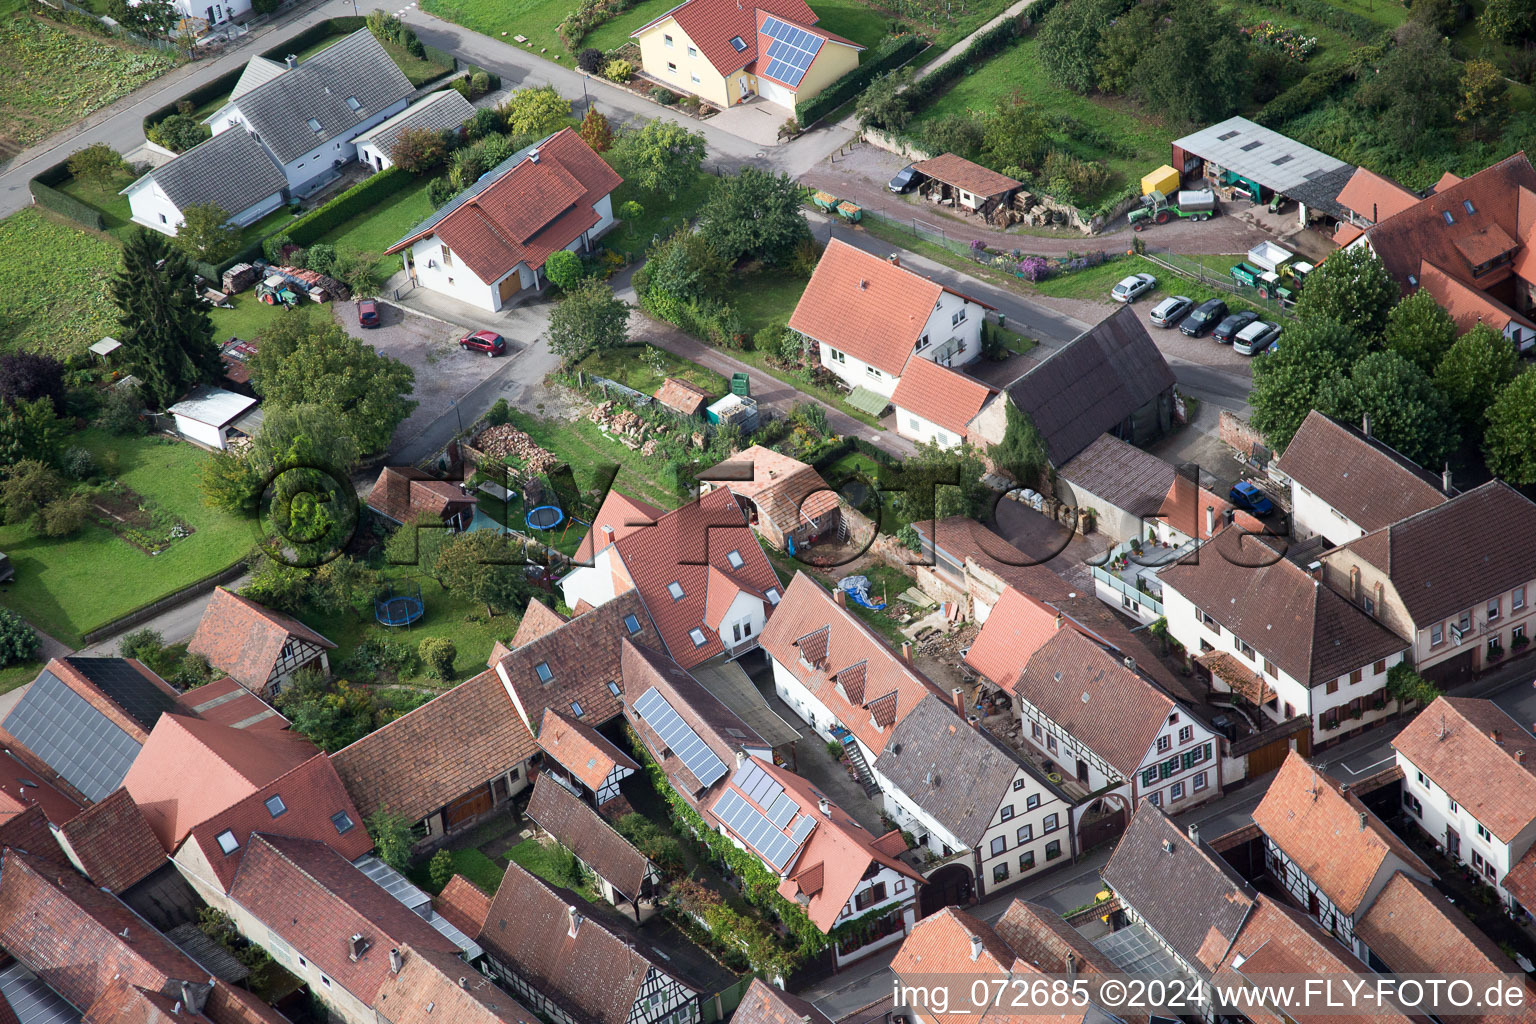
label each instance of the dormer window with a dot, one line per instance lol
(676, 590)
(542, 671)
(773, 595)
(352, 102)
(314, 126)
(735, 559)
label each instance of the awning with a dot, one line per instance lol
(865, 400)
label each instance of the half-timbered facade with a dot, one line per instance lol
(262, 649)
(582, 759)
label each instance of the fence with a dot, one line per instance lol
(1195, 271)
(922, 232)
(113, 28)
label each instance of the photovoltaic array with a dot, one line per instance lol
(680, 737)
(791, 52)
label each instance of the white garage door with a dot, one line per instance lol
(773, 92)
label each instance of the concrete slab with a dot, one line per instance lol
(756, 120)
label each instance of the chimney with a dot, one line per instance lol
(1194, 831)
(1365, 424)
(1210, 520)
(1130, 663)
(906, 651)
(176, 1009)
(741, 758)
(1059, 618)
(1445, 478)
(893, 259)
(575, 920)
(464, 983)
(841, 597)
(958, 698)
(293, 61)
(1315, 570)
(1071, 965)
(396, 961)
(1493, 734)
(975, 939)
(533, 156)
(1362, 821)
(824, 807)
(1520, 757)
(357, 946)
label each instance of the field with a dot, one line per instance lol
(53, 285)
(51, 77)
(69, 586)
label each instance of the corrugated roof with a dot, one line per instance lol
(1261, 154)
(213, 406)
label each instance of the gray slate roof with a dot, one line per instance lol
(972, 772)
(1121, 474)
(438, 112)
(356, 66)
(1184, 892)
(230, 170)
(1093, 384)
(258, 72)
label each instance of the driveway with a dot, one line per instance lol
(756, 120)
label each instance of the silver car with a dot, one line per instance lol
(1171, 310)
(1255, 338)
(1132, 288)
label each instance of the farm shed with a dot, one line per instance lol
(207, 416)
(968, 187)
(1239, 154)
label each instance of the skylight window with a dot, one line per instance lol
(632, 624)
(1467, 203)
(543, 672)
(227, 841)
(576, 707)
(314, 125)
(613, 687)
(773, 595)
(739, 43)
(697, 636)
(343, 822)
(1448, 218)
(275, 805)
(735, 559)
(352, 102)
(676, 590)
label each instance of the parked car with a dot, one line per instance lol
(7, 570)
(489, 342)
(1255, 338)
(367, 313)
(1170, 311)
(1132, 288)
(1204, 317)
(1249, 498)
(906, 180)
(1228, 328)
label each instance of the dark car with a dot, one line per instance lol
(489, 342)
(1228, 328)
(367, 313)
(906, 180)
(1205, 316)
(1249, 498)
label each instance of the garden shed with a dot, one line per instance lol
(207, 416)
(965, 186)
(1260, 163)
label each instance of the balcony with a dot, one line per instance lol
(1126, 577)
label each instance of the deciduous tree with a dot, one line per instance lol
(1412, 90)
(1194, 35)
(178, 132)
(1351, 288)
(1419, 330)
(755, 215)
(589, 319)
(419, 150)
(1508, 21)
(18, 641)
(595, 130)
(686, 265)
(537, 111)
(1473, 372)
(1071, 40)
(1286, 382)
(1484, 103)
(167, 334)
(98, 163)
(153, 18)
(1405, 409)
(29, 376)
(1509, 445)
(484, 566)
(206, 234)
(662, 158)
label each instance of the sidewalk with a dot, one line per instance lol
(959, 48)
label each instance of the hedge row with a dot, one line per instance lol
(850, 85)
(65, 205)
(359, 199)
(1316, 86)
(982, 47)
(848, 444)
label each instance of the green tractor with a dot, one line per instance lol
(1156, 209)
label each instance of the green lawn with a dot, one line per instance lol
(20, 674)
(383, 226)
(418, 70)
(248, 319)
(643, 368)
(615, 33)
(853, 20)
(659, 215)
(271, 224)
(471, 863)
(766, 296)
(114, 208)
(445, 615)
(591, 454)
(535, 19)
(1094, 284)
(53, 285)
(71, 585)
(565, 538)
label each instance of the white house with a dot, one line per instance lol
(211, 416)
(231, 171)
(308, 115)
(442, 111)
(869, 316)
(699, 569)
(1345, 483)
(1330, 854)
(964, 795)
(1268, 630)
(936, 404)
(488, 246)
(1468, 782)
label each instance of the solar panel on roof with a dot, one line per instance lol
(759, 786)
(782, 809)
(680, 738)
(802, 829)
(73, 738)
(791, 53)
(755, 830)
(127, 687)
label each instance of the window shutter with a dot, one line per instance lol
(1166, 768)
(1149, 776)
(1188, 759)
(1207, 751)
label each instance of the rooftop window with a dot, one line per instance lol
(739, 43)
(632, 624)
(543, 672)
(1448, 218)
(576, 707)
(343, 822)
(697, 636)
(352, 102)
(1467, 204)
(314, 125)
(275, 805)
(227, 841)
(676, 590)
(735, 559)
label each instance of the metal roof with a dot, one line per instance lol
(418, 902)
(213, 406)
(1262, 155)
(72, 737)
(106, 346)
(731, 685)
(32, 1001)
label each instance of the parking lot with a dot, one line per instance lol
(444, 372)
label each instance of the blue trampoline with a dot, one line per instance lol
(398, 604)
(544, 517)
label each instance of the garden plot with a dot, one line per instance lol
(53, 284)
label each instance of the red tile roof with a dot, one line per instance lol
(619, 516)
(839, 641)
(113, 844)
(1468, 306)
(245, 639)
(1451, 741)
(1016, 628)
(279, 876)
(227, 702)
(870, 308)
(1373, 197)
(581, 830)
(405, 493)
(980, 181)
(22, 787)
(691, 546)
(122, 1003)
(434, 986)
(29, 832)
(536, 207)
(1329, 834)
(712, 24)
(1446, 181)
(464, 904)
(1370, 484)
(681, 395)
(538, 619)
(71, 934)
(946, 397)
(785, 490)
(581, 749)
(191, 770)
(964, 540)
(763, 1003)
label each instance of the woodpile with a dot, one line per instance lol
(507, 441)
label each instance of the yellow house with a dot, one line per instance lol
(726, 51)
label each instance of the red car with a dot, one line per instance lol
(367, 313)
(489, 342)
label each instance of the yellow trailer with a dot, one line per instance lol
(1165, 180)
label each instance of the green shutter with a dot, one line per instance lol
(1188, 759)
(1149, 776)
(1166, 768)
(1207, 751)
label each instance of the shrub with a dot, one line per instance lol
(122, 411)
(273, 247)
(484, 122)
(619, 71)
(590, 60)
(65, 516)
(437, 653)
(142, 644)
(179, 133)
(192, 671)
(564, 269)
(663, 96)
(78, 463)
(18, 641)
(419, 150)
(441, 868)
(500, 413)
(363, 197)
(789, 129)
(321, 258)
(480, 83)
(909, 537)
(440, 191)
